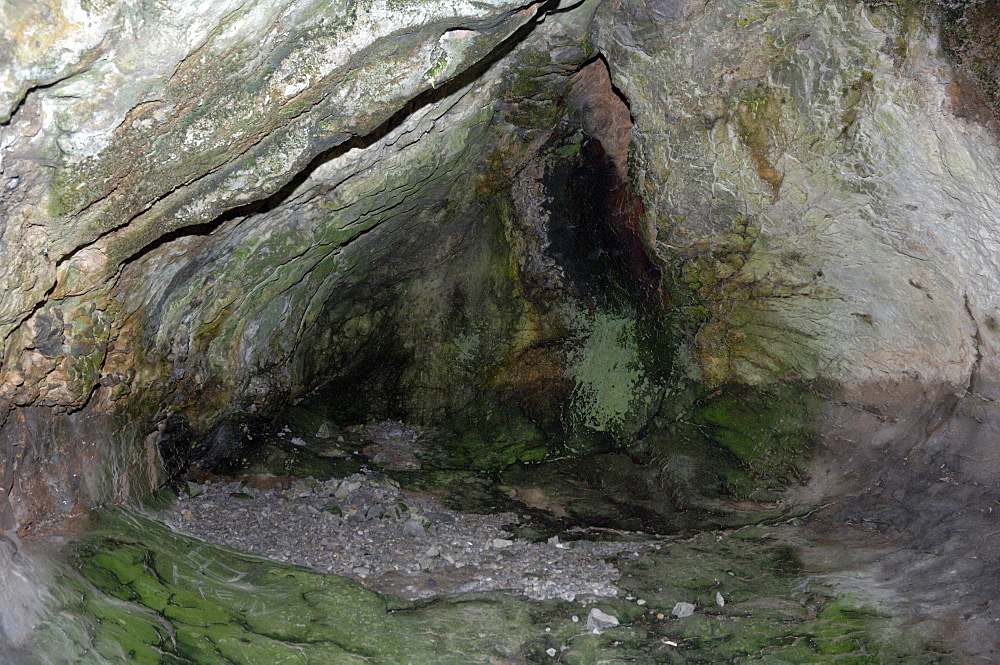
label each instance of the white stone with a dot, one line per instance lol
(598, 621)
(682, 610)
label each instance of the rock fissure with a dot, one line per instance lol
(977, 338)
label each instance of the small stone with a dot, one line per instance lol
(719, 600)
(640, 602)
(194, 489)
(440, 518)
(659, 615)
(412, 527)
(552, 652)
(340, 438)
(324, 431)
(347, 488)
(598, 621)
(576, 619)
(682, 610)
(500, 543)
(296, 441)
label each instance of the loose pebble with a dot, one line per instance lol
(682, 610)
(412, 527)
(598, 621)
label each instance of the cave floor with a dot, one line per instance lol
(133, 590)
(333, 545)
(501, 587)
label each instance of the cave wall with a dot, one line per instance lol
(827, 177)
(206, 213)
(132, 162)
(207, 252)
(808, 156)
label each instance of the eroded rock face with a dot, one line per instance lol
(838, 209)
(124, 151)
(835, 201)
(656, 228)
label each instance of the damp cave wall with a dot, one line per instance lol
(206, 213)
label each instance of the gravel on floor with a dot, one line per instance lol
(364, 526)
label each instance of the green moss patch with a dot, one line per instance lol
(134, 591)
(145, 594)
(771, 610)
(770, 430)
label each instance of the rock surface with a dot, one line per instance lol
(706, 240)
(188, 199)
(180, 255)
(598, 621)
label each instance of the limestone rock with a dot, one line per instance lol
(682, 610)
(599, 621)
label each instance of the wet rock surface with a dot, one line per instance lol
(400, 542)
(132, 590)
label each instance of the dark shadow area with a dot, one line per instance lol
(594, 229)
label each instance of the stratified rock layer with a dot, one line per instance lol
(189, 200)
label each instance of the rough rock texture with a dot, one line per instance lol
(836, 203)
(696, 236)
(840, 213)
(132, 279)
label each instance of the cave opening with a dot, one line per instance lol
(433, 402)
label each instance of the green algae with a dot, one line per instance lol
(613, 391)
(134, 591)
(145, 594)
(770, 430)
(508, 438)
(772, 611)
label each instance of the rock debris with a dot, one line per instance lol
(408, 544)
